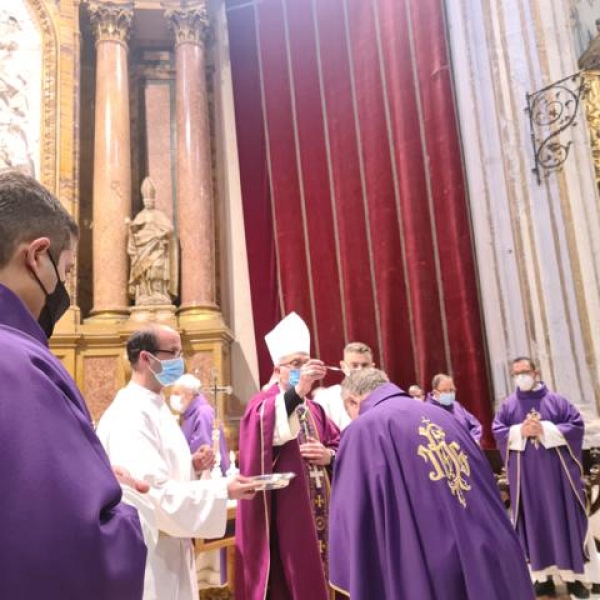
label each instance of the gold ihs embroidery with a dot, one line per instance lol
(448, 460)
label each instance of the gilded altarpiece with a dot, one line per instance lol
(94, 351)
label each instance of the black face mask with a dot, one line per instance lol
(56, 305)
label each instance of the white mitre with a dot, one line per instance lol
(290, 336)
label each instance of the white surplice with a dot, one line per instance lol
(330, 399)
(140, 433)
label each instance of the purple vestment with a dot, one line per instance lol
(197, 426)
(415, 512)
(546, 489)
(462, 415)
(65, 534)
(276, 530)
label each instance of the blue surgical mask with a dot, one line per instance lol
(294, 377)
(446, 398)
(172, 370)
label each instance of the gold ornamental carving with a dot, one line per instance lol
(111, 20)
(48, 158)
(589, 62)
(592, 112)
(189, 21)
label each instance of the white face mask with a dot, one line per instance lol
(176, 402)
(525, 382)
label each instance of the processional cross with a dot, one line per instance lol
(215, 389)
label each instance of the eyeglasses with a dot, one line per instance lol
(295, 364)
(173, 353)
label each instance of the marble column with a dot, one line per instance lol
(112, 158)
(537, 244)
(189, 22)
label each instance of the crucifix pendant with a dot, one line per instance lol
(316, 474)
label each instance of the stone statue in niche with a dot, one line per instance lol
(152, 249)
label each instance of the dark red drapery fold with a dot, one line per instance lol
(353, 190)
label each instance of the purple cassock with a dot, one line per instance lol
(415, 512)
(197, 425)
(461, 414)
(281, 535)
(65, 533)
(546, 489)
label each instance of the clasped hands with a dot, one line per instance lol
(531, 427)
(315, 453)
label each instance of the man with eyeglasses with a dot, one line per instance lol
(139, 432)
(443, 394)
(540, 434)
(281, 535)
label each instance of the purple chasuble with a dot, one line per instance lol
(280, 530)
(197, 426)
(461, 414)
(415, 512)
(65, 533)
(546, 489)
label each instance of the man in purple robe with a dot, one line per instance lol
(197, 417)
(415, 512)
(540, 435)
(443, 394)
(65, 533)
(281, 535)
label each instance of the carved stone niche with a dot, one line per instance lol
(589, 62)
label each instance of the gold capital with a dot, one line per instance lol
(188, 20)
(111, 20)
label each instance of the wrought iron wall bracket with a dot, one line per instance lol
(552, 110)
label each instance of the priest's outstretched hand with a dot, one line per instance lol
(241, 488)
(125, 478)
(315, 453)
(203, 458)
(311, 372)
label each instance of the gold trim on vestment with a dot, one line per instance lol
(339, 589)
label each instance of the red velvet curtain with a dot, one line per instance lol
(353, 189)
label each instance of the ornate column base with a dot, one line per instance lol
(107, 315)
(163, 314)
(202, 316)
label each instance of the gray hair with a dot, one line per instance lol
(437, 380)
(189, 382)
(363, 382)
